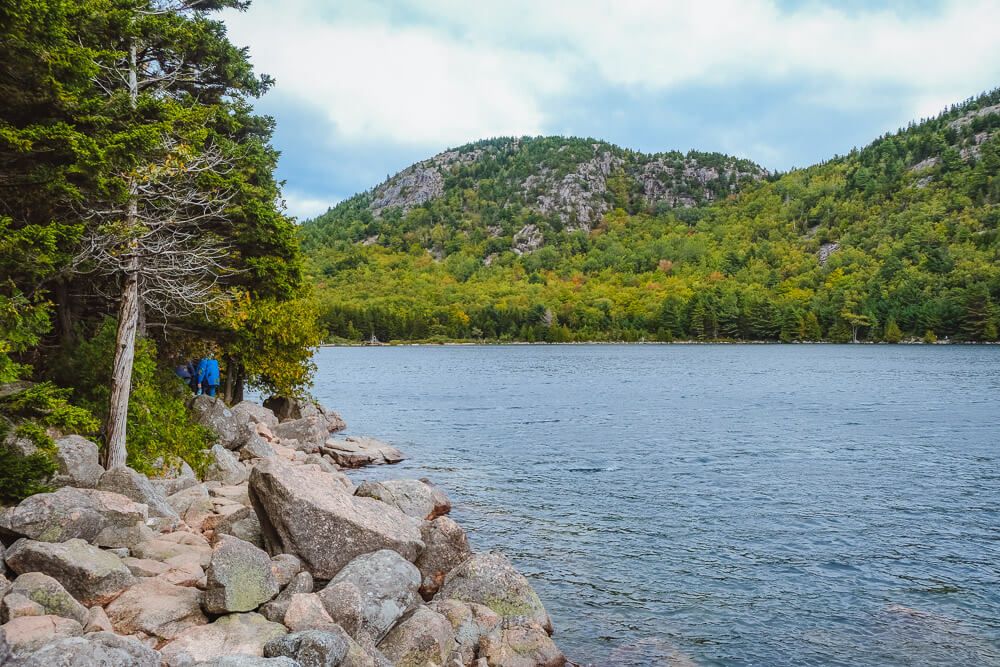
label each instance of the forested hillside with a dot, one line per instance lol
(137, 203)
(553, 239)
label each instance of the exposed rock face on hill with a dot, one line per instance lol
(527, 187)
(346, 577)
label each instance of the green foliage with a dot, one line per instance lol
(893, 334)
(28, 412)
(160, 427)
(904, 233)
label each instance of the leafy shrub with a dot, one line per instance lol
(160, 427)
(31, 412)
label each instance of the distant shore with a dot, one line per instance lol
(485, 343)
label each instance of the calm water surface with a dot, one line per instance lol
(714, 505)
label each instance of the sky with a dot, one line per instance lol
(367, 87)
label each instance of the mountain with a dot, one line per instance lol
(556, 238)
(524, 189)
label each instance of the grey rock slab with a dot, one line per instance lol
(224, 467)
(235, 634)
(244, 524)
(15, 605)
(78, 461)
(91, 575)
(239, 577)
(424, 637)
(50, 594)
(303, 512)
(107, 519)
(387, 587)
(521, 645)
(156, 608)
(27, 634)
(447, 548)
(249, 661)
(311, 432)
(413, 497)
(104, 649)
(323, 648)
(250, 412)
(136, 486)
(490, 579)
(357, 451)
(213, 413)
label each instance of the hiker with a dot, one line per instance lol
(188, 373)
(208, 376)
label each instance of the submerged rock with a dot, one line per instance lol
(304, 512)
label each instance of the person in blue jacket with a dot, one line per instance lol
(208, 376)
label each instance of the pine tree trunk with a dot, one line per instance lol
(121, 375)
(229, 386)
(115, 453)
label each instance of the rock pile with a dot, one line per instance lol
(274, 559)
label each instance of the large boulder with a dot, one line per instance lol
(50, 594)
(104, 649)
(425, 637)
(239, 577)
(285, 408)
(385, 584)
(156, 608)
(176, 549)
(104, 518)
(355, 451)
(470, 623)
(447, 548)
(78, 461)
(137, 486)
(249, 412)
(413, 497)
(235, 634)
(303, 511)
(323, 648)
(491, 580)
(212, 413)
(26, 634)
(91, 575)
(173, 477)
(249, 661)
(521, 645)
(309, 432)
(225, 467)
(244, 524)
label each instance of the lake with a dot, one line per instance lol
(714, 504)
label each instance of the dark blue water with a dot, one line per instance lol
(715, 505)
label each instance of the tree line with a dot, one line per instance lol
(140, 222)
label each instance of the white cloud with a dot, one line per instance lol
(303, 206)
(442, 72)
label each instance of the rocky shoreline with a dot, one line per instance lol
(274, 559)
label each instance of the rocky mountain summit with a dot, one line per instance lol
(275, 559)
(526, 187)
